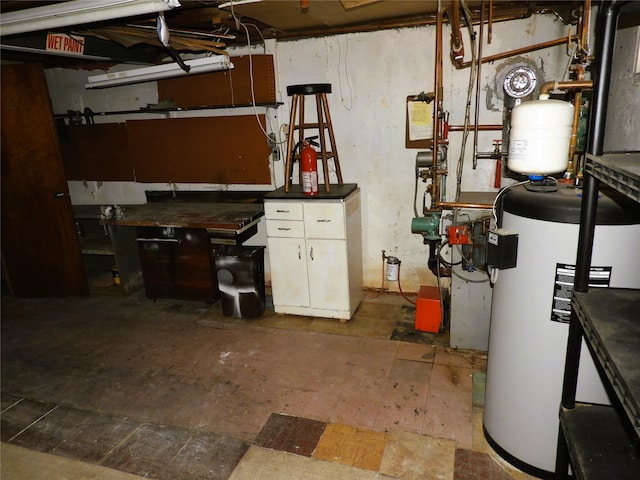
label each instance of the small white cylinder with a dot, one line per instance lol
(393, 267)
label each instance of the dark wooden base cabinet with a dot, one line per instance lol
(176, 263)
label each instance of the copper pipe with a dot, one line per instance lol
(478, 84)
(480, 128)
(457, 45)
(490, 26)
(586, 16)
(577, 100)
(437, 103)
(548, 87)
(447, 205)
(520, 51)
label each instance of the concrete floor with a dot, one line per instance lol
(116, 387)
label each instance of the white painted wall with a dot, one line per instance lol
(371, 75)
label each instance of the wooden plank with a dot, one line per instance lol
(226, 88)
(223, 150)
(97, 152)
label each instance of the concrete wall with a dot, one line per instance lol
(371, 75)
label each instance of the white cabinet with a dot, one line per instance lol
(315, 250)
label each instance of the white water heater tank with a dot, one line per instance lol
(531, 309)
(539, 137)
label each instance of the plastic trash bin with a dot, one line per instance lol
(240, 273)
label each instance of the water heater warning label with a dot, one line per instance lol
(563, 287)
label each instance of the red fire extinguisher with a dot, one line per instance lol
(309, 168)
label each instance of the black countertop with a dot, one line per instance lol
(295, 193)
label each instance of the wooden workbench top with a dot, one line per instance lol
(228, 216)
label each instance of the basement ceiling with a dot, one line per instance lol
(211, 26)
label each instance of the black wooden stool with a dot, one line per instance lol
(298, 93)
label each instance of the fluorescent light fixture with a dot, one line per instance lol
(156, 72)
(77, 12)
(21, 48)
(235, 3)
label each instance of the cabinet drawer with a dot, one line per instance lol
(285, 228)
(324, 220)
(283, 210)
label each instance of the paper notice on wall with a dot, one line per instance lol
(420, 120)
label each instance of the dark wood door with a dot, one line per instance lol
(40, 248)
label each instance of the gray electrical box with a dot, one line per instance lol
(502, 249)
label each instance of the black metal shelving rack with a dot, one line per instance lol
(603, 442)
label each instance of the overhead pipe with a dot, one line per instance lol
(520, 51)
(552, 85)
(478, 83)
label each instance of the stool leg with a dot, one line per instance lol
(288, 169)
(323, 145)
(333, 139)
(302, 100)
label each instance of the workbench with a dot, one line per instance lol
(175, 244)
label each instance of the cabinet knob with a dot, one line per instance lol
(58, 195)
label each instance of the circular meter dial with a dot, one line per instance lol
(520, 82)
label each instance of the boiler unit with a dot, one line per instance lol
(530, 314)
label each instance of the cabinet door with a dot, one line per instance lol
(41, 253)
(328, 274)
(289, 284)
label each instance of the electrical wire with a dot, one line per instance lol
(451, 265)
(346, 74)
(500, 193)
(400, 288)
(467, 116)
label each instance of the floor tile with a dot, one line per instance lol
(19, 463)
(449, 407)
(265, 464)
(478, 441)
(351, 446)
(479, 384)
(449, 356)
(290, 434)
(405, 332)
(410, 456)
(417, 352)
(170, 453)
(81, 434)
(323, 470)
(22, 415)
(471, 465)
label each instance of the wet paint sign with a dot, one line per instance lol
(61, 42)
